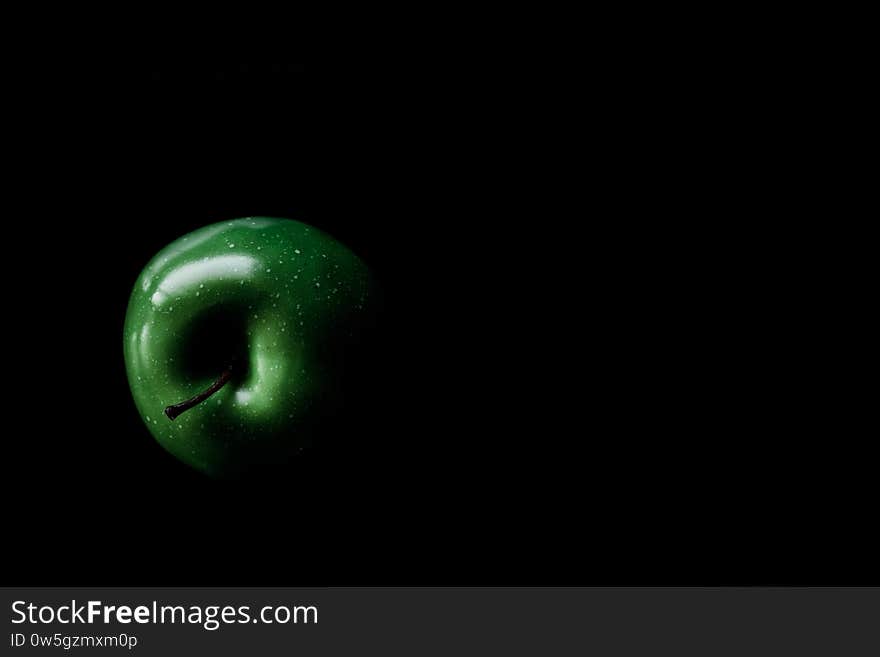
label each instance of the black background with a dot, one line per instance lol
(595, 365)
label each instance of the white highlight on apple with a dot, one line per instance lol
(225, 267)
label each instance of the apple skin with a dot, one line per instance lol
(281, 300)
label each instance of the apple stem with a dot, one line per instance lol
(176, 409)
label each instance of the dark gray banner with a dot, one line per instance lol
(442, 621)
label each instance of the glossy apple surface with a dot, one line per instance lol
(275, 302)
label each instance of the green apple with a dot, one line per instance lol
(236, 337)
